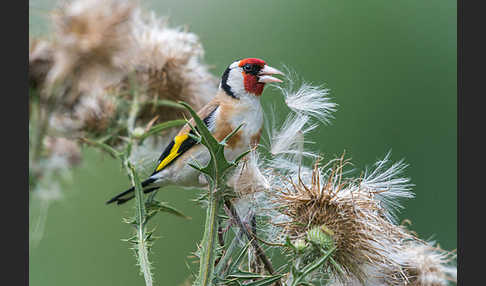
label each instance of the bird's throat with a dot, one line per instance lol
(252, 85)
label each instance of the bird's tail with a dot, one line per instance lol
(127, 195)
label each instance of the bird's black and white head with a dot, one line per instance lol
(247, 77)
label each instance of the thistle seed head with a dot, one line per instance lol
(355, 218)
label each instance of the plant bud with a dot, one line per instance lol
(321, 236)
(138, 131)
(300, 245)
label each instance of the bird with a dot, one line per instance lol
(236, 102)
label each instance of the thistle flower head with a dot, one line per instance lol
(352, 215)
(89, 36)
(40, 61)
(63, 148)
(95, 112)
(168, 66)
(427, 265)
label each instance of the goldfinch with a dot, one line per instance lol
(237, 101)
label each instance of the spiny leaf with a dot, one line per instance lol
(156, 206)
(199, 168)
(201, 127)
(132, 239)
(218, 165)
(234, 265)
(129, 221)
(104, 147)
(241, 156)
(229, 136)
(195, 137)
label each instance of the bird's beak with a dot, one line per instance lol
(266, 72)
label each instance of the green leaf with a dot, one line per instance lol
(202, 128)
(247, 275)
(154, 207)
(169, 103)
(238, 159)
(104, 147)
(221, 269)
(195, 137)
(234, 265)
(228, 137)
(199, 168)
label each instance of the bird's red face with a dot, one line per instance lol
(248, 76)
(251, 67)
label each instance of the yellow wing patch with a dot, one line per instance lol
(174, 152)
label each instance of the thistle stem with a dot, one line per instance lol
(142, 247)
(208, 244)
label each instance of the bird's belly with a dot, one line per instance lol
(252, 117)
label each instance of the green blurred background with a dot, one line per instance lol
(391, 67)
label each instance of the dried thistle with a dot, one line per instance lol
(95, 112)
(362, 234)
(90, 37)
(167, 66)
(427, 265)
(422, 265)
(40, 62)
(64, 148)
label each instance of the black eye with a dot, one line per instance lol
(247, 67)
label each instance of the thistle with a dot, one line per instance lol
(353, 217)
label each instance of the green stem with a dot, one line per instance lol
(43, 116)
(142, 247)
(208, 244)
